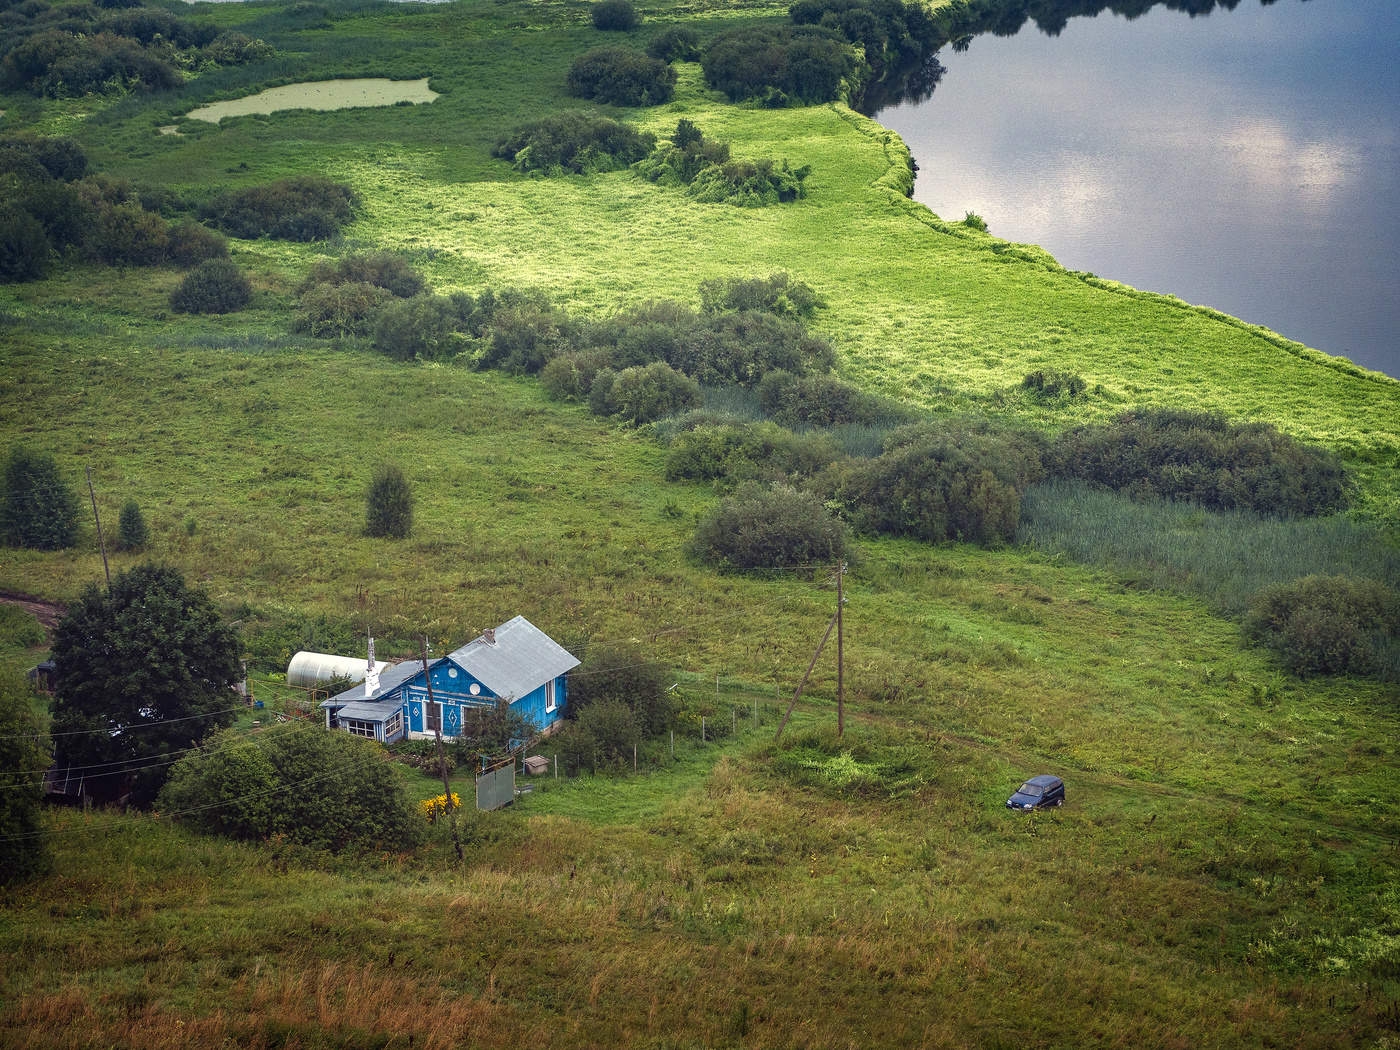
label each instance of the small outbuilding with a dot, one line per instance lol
(516, 663)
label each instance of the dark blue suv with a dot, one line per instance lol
(1038, 793)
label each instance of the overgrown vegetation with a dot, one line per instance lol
(772, 527)
(298, 208)
(295, 783)
(215, 286)
(37, 508)
(1330, 625)
(614, 15)
(704, 169)
(389, 504)
(24, 754)
(576, 141)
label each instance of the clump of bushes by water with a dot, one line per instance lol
(620, 76)
(770, 527)
(71, 50)
(779, 65)
(299, 208)
(577, 142)
(704, 169)
(614, 15)
(216, 286)
(1330, 625)
(1204, 458)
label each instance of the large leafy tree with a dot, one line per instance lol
(143, 671)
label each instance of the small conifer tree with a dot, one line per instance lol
(132, 533)
(37, 508)
(389, 504)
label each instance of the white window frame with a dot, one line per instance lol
(549, 705)
(359, 727)
(393, 724)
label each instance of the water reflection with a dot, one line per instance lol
(1249, 161)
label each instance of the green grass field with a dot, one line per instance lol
(1225, 872)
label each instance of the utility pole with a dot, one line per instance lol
(840, 653)
(102, 545)
(442, 758)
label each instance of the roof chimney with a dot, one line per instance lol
(371, 672)
(489, 636)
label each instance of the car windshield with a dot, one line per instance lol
(1030, 789)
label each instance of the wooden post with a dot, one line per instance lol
(788, 713)
(442, 758)
(840, 690)
(702, 729)
(101, 543)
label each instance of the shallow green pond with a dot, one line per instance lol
(321, 94)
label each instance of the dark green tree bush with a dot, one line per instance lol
(323, 790)
(770, 527)
(778, 293)
(780, 64)
(236, 49)
(127, 234)
(618, 15)
(38, 510)
(62, 64)
(380, 269)
(424, 327)
(645, 393)
(24, 748)
(132, 532)
(743, 347)
(61, 157)
(24, 247)
(679, 163)
(574, 141)
(569, 376)
(627, 674)
(1204, 458)
(821, 400)
(619, 76)
(523, 339)
(299, 208)
(938, 482)
(490, 730)
(189, 244)
(389, 504)
(215, 286)
(602, 738)
(1330, 625)
(675, 44)
(65, 216)
(141, 670)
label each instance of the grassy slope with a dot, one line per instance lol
(1223, 821)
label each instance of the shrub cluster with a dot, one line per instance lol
(617, 15)
(574, 141)
(778, 65)
(299, 208)
(345, 297)
(1204, 458)
(1051, 383)
(704, 168)
(625, 674)
(258, 788)
(643, 393)
(1330, 625)
(389, 504)
(770, 527)
(675, 44)
(216, 286)
(897, 40)
(938, 482)
(620, 76)
(778, 293)
(733, 453)
(69, 50)
(823, 401)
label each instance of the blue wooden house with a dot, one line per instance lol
(516, 663)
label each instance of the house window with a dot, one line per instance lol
(549, 704)
(433, 715)
(359, 728)
(393, 724)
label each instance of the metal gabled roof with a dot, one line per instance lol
(522, 659)
(389, 680)
(370, 711)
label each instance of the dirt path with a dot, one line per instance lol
(47, 613)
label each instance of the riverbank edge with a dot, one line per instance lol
(897, 184)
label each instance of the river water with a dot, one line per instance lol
(1247, 160)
